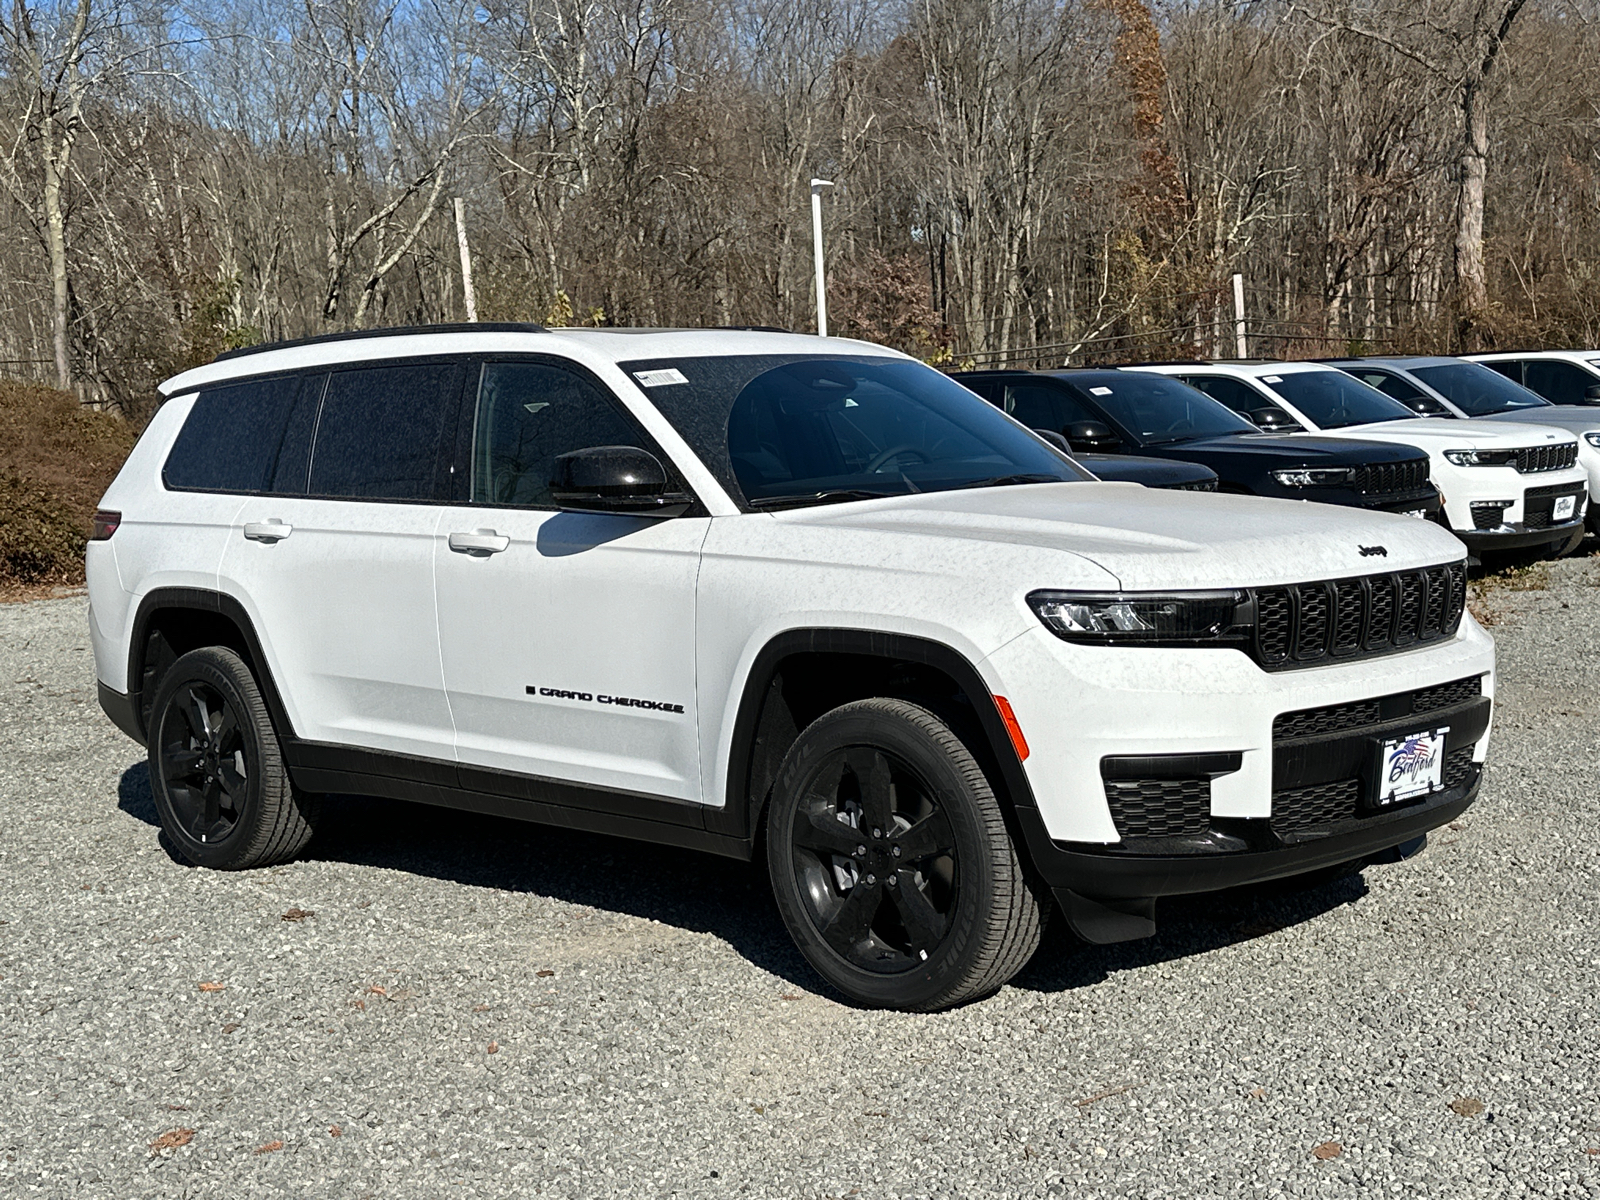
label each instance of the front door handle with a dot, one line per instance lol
(481, 542)
(267, 531)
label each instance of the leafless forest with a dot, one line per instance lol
(1029, 180)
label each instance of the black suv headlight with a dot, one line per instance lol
(1224, 618)
(1301, 477)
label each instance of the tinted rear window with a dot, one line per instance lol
(379, 433)
(245, 437)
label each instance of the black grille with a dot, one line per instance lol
(1538, 504)
(1325, 804)
(1382, 479)
(1336, 718)
(1311, 622)
(1533, 459)
(1159, 807)
(1488, 514)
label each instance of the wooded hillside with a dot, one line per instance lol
(1016, 178)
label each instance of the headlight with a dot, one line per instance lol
(1593, 439)
(1147, 618)
(1315, 476)
(1482, 458)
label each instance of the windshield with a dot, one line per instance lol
(1476, 390)
(1156, 409)
(1331, 399)
(782, 429)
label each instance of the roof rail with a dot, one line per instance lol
(1159, 362)
(354, 335)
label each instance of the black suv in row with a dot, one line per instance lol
(1125, 412)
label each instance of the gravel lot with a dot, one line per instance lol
(481, 1008)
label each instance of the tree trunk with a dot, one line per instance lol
(55, 230)
(1472, 295)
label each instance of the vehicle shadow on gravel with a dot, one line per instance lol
(707, 894)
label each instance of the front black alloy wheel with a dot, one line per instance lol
(216, 770)
(891, 862)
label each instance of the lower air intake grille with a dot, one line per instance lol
(1159, 807)
(1326, 804)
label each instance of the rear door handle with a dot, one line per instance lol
(267, 531)
(481, 542)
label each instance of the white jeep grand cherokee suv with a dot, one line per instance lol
(753, 592)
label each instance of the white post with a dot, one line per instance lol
(816, 243)
(1239, 348)
(466, 260)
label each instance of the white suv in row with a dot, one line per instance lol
(759, 593)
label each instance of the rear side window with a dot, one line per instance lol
(1043, 406)
(1240, 397)
(1511, 368)
(246, 437)
(379, 433)
(1558, 382)
(528, 414)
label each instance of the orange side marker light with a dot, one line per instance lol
(1010, 718)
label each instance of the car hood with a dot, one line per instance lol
(1576, 418)
(1450, 433)
(1152, 472)
(1290, 449)
(1149, 538)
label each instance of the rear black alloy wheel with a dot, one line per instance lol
(216, 769)
(891, 862)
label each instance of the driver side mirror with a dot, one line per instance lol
(1591, 394)
(1425, 406)
(1055, 439)
(1090, 436)
(614, 479)
(1271, 418)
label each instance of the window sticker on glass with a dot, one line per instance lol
(1272, 379)
(661, 378)
(1099, 391)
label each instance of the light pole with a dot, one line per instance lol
(816, 242)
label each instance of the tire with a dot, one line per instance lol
(216, 769)
(934, 910)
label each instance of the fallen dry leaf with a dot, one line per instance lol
(212, 987)
(230, 1027)
(543, 974)
(1466, 1106)
(1591, 1149)
(176, 1107)
(335, 1131)
(269, 1147)
(494, 1047)
(480, 1008)
(1258, 1093)
(361, 1004)
(787, 996)
(172, 1139)
(365, 904)
(297, 914)
(1327, 1150)
(375, 990)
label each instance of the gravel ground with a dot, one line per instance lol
(481, 1008)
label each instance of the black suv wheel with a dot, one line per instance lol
(216, 770)
(891, 862)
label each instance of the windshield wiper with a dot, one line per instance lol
(1008, 480)
(832, 496)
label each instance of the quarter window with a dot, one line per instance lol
(246, 437)
(379, 432)
(528, 414)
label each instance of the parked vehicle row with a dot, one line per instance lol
(756, 593)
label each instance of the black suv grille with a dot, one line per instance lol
(1538, 504)
(1381, 479)
(1309, 623)
(1533, 459)
(1159, 807)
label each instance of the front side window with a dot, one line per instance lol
(1232, 393)
(1044, 406)
(1158, 409)
(1475, 389)
(1333, 400)
(249, 437)
(528, 414)
(779, 429)
(379, 432)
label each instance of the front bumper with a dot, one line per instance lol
(1518, 536)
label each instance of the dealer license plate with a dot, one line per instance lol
(1565, 507)
(1410, 766)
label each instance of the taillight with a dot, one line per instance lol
(105, 524)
